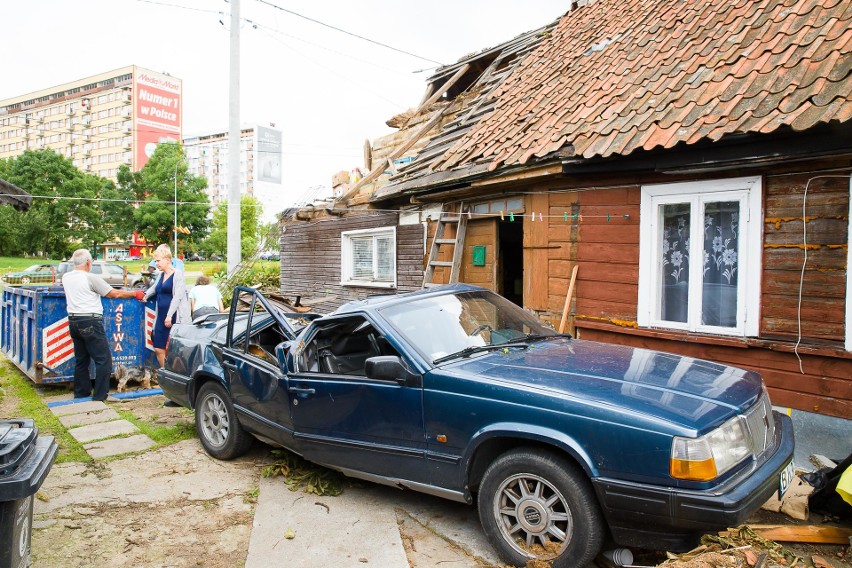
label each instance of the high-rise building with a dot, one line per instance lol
(98, 122)
(260, 160)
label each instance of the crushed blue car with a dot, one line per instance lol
(562, 444)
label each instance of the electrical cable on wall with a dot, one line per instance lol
(804, 263)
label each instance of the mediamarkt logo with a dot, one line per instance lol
(159, 81)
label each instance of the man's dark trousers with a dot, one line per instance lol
(90, 345)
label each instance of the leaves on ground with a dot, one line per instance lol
(301, 474)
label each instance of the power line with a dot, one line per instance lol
(335, 28)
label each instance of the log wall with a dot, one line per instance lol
(310, 259)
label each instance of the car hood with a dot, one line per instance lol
(690, 392)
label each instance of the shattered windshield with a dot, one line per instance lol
(439, 326)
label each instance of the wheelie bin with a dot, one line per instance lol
(25, 461)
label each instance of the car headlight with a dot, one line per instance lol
(711, 455)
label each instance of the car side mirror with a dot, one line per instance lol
(391, 368)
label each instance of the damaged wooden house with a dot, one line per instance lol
(689, 163)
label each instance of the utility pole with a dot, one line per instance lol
(234, 143)
(175, 252)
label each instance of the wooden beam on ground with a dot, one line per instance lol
(823, 534)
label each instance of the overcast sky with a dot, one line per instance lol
(326, 90)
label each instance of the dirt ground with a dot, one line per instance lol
(177, 507)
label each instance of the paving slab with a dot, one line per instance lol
(353, 530)
(118, 446)
(78, 407)
(91, 417)
(102, 430)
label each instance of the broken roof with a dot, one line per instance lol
(11, 194)
(617, 76)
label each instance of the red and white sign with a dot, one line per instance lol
(57, 345)
(150, 316)
(157, 113)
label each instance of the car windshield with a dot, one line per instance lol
(443, 325)
(34, 268)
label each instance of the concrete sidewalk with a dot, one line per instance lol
(367, 525)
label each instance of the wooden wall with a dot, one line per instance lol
(824, 284)
(310, 259)
(607, 252)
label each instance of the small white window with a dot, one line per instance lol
(699, 256)
(368, 258)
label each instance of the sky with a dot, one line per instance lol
(325, 89)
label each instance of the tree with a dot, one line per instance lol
(65, 210)
(250, 214)
(154, 187)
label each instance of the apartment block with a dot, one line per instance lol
(98, 122)
(260, 160)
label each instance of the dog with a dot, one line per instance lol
(145, 376)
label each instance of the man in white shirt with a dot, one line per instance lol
(83, 292)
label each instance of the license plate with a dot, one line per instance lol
(786, 477)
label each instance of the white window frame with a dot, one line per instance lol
(346, 257)
(746, 190)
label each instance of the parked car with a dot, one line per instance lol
(270, 255)
(116, 275)
(35, 274)
(457, 392)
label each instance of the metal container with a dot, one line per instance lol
(34, 334)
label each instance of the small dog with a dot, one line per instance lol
(145, 376)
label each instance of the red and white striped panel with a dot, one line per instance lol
(150, 316)
(57, 346)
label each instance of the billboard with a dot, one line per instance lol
(268, 155)
(157, 113)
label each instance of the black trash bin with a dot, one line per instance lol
(25, 460)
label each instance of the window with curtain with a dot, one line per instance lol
(368, 257)
(700, 256)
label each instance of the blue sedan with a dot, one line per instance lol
(456, 392)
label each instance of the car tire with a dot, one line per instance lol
(139, 285)
(531, 500)
(218, 428)
(25, 280)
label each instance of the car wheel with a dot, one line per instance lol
(218, 427)
(25, 280)
(537, 505)
(139, 285)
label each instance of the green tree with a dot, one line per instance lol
(251, 211)
(65, 211)
(155, 185)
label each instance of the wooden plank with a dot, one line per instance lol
(823, 534)
(597, 271)
(536, 276)
(568, 297)
(613, 252)
(790, 258)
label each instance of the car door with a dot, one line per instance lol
(345, 419)
(257, 382)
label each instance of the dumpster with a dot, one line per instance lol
(34, 332)
(25, 460)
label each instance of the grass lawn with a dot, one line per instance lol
(16, 264)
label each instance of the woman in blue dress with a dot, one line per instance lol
(172, 304)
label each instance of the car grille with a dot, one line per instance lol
(761, 425)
